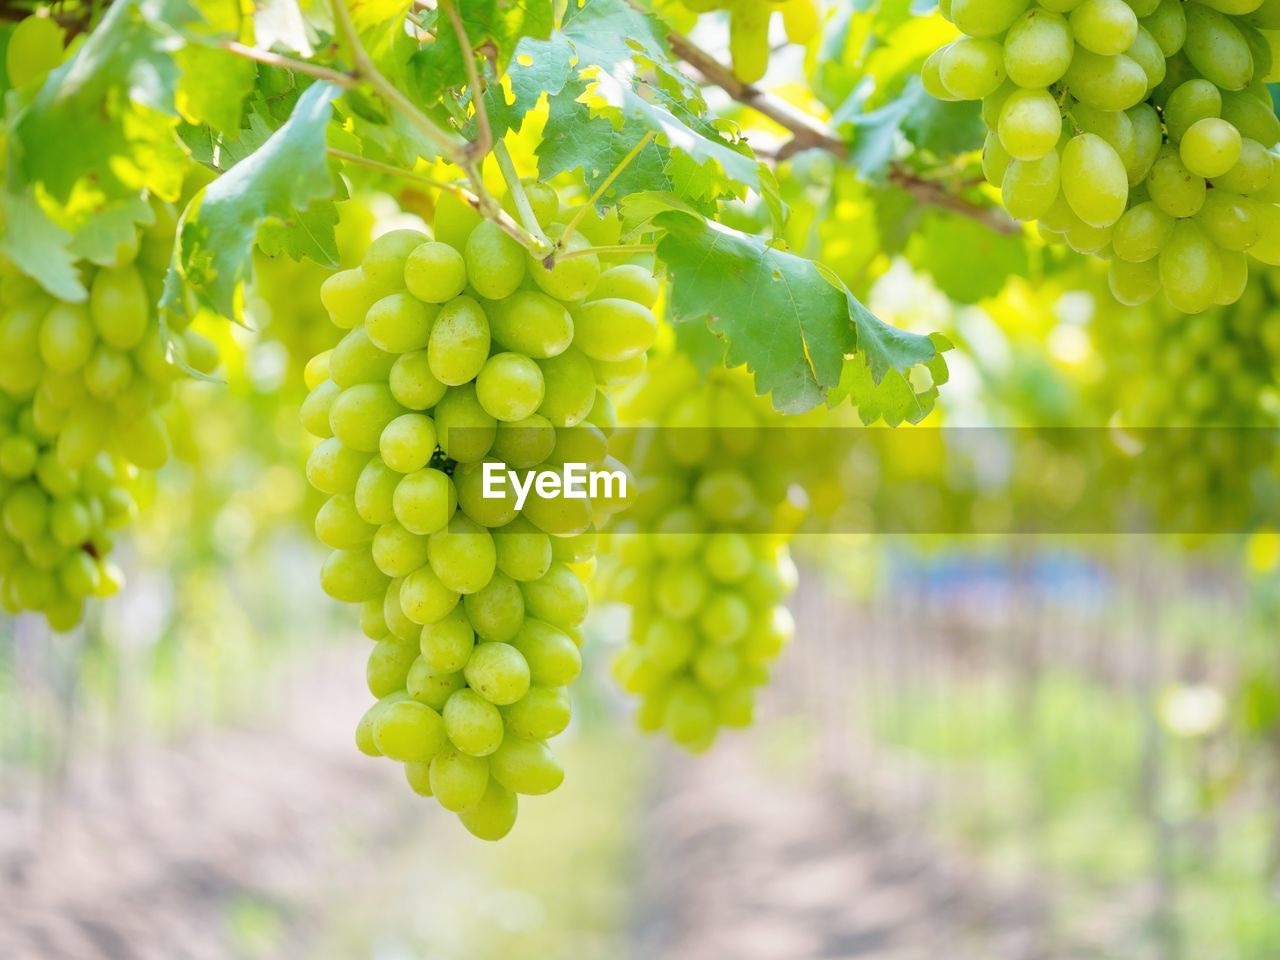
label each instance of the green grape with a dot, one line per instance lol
(1252, 172)
(433, 689)
(1232, 221)
(435, 273)
(424, 598)
(459, 341)
(571, 278)
(995, 160)
(396, 551)
(1113, 127)
(66, 337)
(120, 306)
(497, 610)
(524, 443)
(1141, 232)
(447, 643)
(1148, 138)
(523, 552)
(1105, 27)
(526, 766)
(543, 201)
(468, 480)
(1146, 53)
(413, 384)
(399, 323)
(1106, 82)
(985, 18)
(690, 716)
(558, 597)
(1190, 268)
(1190, 102)
(340, 527)
(614, 329)
(463, 555)
(424, 501)
(352, 576)
(724, 618)
(1235, 277)
(1174, 188)
(1030, 186)
(749, 40)
(715, 668)
(347, 297)
(498, 672)
(1216, 48)
(408, 731)
(972, 68)
(495, 262)
(569, 388)
(34, 48)
(540, 714)
(1030, 124)
(455, 219)
(931, 76)
(1251, 117)
(384, 261)
(408, 442)
(531, 323)
(333, 468)
(473, 724)
(629, 281)
(458, 781)
(418, 776)
(466, 431)
(388, 666)
(552, 658)
(1094, 180)
(510, 387)
(1038, 48)
(493, 816)
(1168, 25)
(375, 493)
(356, 360)
(1210, 147)
(360, 413)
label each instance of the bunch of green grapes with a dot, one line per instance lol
(1221, 371)
(1137, 130)
(749, 28)
(702, 559)
(463, 350)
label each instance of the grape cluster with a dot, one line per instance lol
(464, 350)
(83, 395)
(749, 28)
(1137, 130)
(702, 559)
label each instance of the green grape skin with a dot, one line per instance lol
(557, 597)
(1210, 147)
(473, 725)
(497, 609)
(1252, 172)
(120, 306)
(498, 672)
(1029, 187)
(347, 297)
(393, 614)
(458, 781)
(388, 666)
(351, 576)
(569, 388)
(524, 443)
(339, 527)
(1235, 277)
(543, 201)
(972, 67)
(630, 281)
(408, 442)
(1190, 268)
(1146, 53)
(493, 816)
(435, 272)
(1216, 48)
(412, 382)
(468, 480)
(614, 329)
(1113, 127)
(447, 643)
(418, 775)
(374, 493)
(1108, 83)
(523, 552)
(1168, 25)
(408, 731)
(1232, 221)
(66, 338)
(1030, 124)
(1105, 27)
(526, 766)
(1252, 117)
(1174, 188)
(1192, 101)
(689, 716)
(716, 668)
(373, 623)
(749, 41)
(725, 617)
(985, 18)
(360, 413)
(1141, 233)
(1038, 48)
(464, 428)
(454, 220)
(541, 714)
(533, 324)
(571, 278)
(35, 48)
(1094, 180)
(1148, 138)
(356, 360)
(553, 658)
(510, 387)
(459, 341)
(108, 373)
(424, 501)
(364, 729)
(332, 468)
(561, 516)
(463, 555)
(728, 556)
(680, 590)
(384, 260)
(995, 160)
(396, 551)
(433, 689)
(399, 323)
(495, 262)
(669, 644)
(424, 599)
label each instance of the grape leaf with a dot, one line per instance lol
(494, 25)
(101, 238)
(538, 67)
(968, 260)
(38, 247)
(894, 397)
(214, 83)
(287, 174)
(777, 313)
(114, 100)
(280, 23)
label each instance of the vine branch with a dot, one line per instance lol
(808, 132)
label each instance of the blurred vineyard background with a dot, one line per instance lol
(977, 747)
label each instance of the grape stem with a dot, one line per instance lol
(610, 248)
(599, 191)
(809, 133)
(338, 78)
(364, 69)
(540, 246)
(477, 148)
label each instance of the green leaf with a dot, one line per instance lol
(114, 101)
(38, 247)
(777, 313)
(215, 83)
(893, 397)
(214, 254)
(538, 67)
(100, 240)
(968, 260)
(280, 24)
(495, 25)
